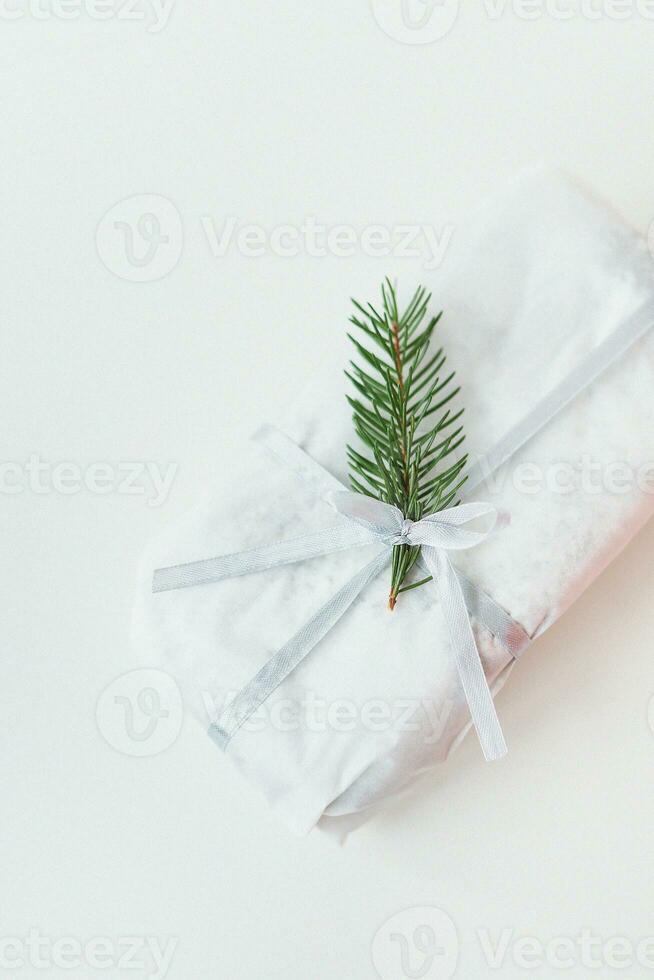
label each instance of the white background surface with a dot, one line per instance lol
(271, 113)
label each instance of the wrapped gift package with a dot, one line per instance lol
(548, 298)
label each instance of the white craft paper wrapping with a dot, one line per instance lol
(535, 283)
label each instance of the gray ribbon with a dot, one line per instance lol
(368, 521)
(587, 371)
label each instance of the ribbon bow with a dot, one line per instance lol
(368, 521)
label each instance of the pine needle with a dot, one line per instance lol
(398, 394)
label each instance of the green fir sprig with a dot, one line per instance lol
(400, 413)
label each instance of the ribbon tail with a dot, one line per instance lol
(466, 655)
(488, 613)
(309, 470)
(311, 545)
(482, 607)
(285, 661)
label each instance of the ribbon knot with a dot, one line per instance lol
(371, 521)
(404, 537)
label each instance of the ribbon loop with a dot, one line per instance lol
(382, 519)
(447, 528)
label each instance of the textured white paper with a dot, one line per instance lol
(535, 283)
